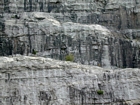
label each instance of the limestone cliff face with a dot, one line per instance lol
(43, 81)
(96, 32)
(116, 13)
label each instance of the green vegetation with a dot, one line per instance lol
(69, 57)
(100, 92)
(34, 52)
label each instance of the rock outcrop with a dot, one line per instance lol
(42, 81)
(116, 13)
(96, 32)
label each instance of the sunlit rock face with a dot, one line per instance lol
(96, 32)
(43, 81)
(90, 44)
(116, 13)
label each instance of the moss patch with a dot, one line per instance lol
(69, 57)
(100, 92)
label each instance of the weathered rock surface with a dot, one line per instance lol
(90, 44)
(43, 81)
(55, 28)
(116, 13)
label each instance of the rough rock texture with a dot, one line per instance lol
(116, 13)
(56, 28)
(43, 81)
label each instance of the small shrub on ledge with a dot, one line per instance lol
(100, 92)
(69, 57)
(34, 52)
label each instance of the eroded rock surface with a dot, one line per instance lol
(43, 81)
(116, 13)
(96, 32)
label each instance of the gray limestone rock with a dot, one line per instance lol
(96, 32)
(91, 44)
(43, 81)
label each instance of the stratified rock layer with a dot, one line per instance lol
(90, 44)
(43, 81)
(55, 28)
(116, 13)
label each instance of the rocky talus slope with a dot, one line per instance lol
(42, 81)
(97, 32)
